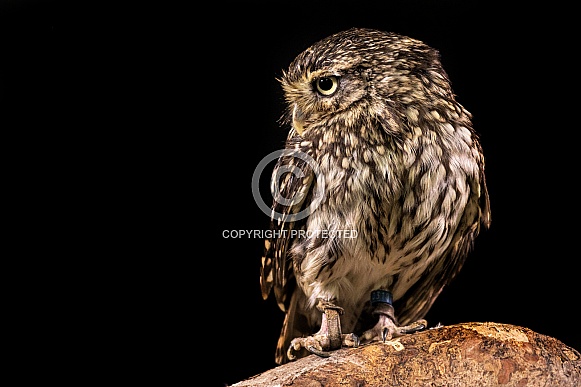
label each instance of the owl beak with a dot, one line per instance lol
(298, 120)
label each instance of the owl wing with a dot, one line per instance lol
(292, 197)
(421, 296)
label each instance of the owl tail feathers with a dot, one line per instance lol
(296, 324)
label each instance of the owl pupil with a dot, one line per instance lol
(325, 84)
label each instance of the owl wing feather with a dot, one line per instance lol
(295, 191)
(420, 297)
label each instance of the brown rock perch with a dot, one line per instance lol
(470, 354)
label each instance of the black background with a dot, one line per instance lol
(148, 121)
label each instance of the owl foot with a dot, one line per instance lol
(387, 326)
(329, 336)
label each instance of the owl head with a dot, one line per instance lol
(361, 75)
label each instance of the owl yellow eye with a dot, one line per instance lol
(327, 85)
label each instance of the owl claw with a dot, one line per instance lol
(329, 337)
(387, 327)
(314, 344)
(416, 326)
(319, 344)
(312, 349)
(350, 340)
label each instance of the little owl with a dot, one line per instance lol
(378, 196)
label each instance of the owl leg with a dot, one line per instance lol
(387, 326)
(329, 336)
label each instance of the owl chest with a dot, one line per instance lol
(392, 199)
(352, 177)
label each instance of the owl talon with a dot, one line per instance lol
(317, 343)
(312, 349)
(329, 336)
(350, 340)
(387, 326)
(416, 326)
(313, 344)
